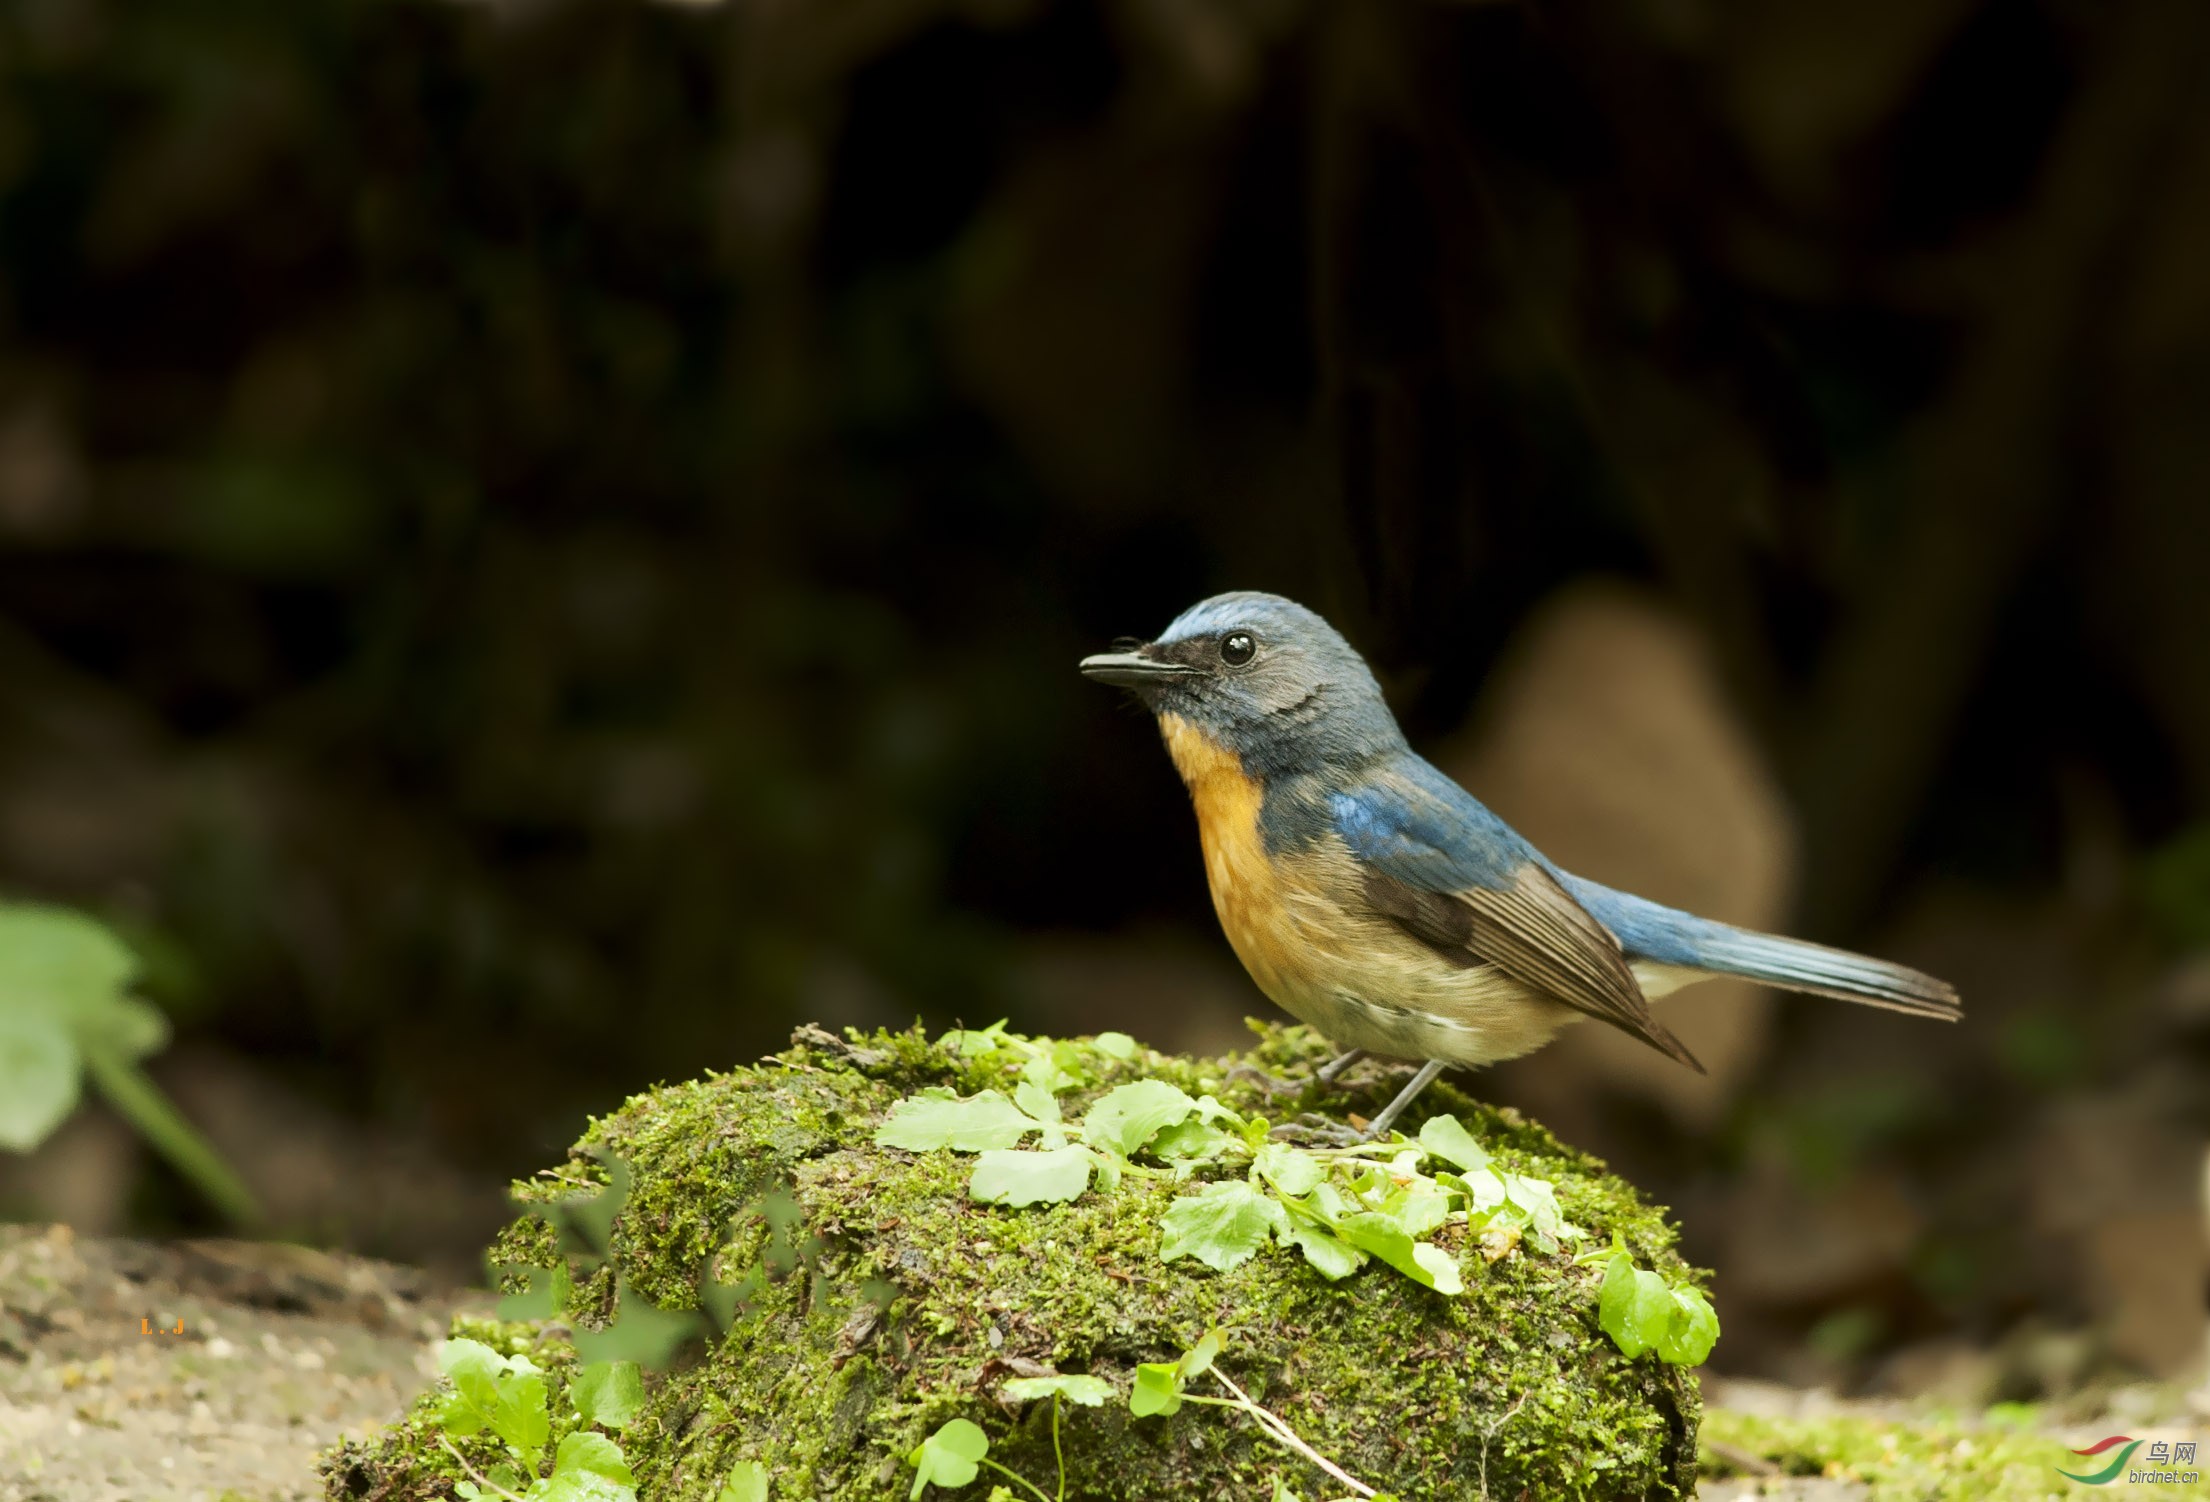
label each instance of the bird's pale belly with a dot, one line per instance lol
(1364, 982)
(1351, 974)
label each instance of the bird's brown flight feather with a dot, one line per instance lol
(1537, 934)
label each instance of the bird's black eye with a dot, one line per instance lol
(1237, 648)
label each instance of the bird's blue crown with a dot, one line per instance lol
(1302, 699)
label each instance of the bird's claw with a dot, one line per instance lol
(1311, 1130)
(1272, 1084)
(1329, 1076)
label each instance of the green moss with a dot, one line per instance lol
(408, 1461)
(880, 1302)
(1897, 1461)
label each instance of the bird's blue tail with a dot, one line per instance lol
(1650, 931)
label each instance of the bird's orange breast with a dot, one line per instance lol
(1247, 887)
(1300, 927)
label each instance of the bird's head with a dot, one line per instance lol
(1259, 676)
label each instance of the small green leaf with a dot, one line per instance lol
(1291, 1170)
(1127, 1116)
(40, 1073)
(1692, 1331)
(59, 961)
(1424, 1263)
(1189, 1142)
(1441, 1269)
(1157, 1389)
(976, 1043)
(1073, 1056)
(608, 1393)
(1209, 1109)
(1417, 1208)
(1615, 1306)
(1036, 1101)
(472, 1357)
(1538, 1200)
(937, 1118)
(1115, 1046)
(1636, 1308)
(949, 1458)
(1222, 1226)
(1198, 1359)
(1045, 1072)
(1109, 1166)
(64, 1011)
(520, 1418)
(474, 1401)
(1328, 1203)
(1447, 1138)
(579, 1486)
(746, 1483)
(131, 1027)
(586, 1452)
(1333, 1257)
(1030, 1178)
(1652, 1309)
(1090, 1392)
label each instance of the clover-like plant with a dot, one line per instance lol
(66, 1015)
(1340, 1207)
(506, 1395)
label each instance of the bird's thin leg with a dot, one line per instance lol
(1328, 1073)
(1405, 1097)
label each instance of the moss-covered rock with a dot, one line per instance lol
(879, 1302)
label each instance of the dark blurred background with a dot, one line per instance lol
(543, 544)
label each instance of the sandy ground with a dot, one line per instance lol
(197, 1371)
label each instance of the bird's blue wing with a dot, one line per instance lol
(1414, 823)
(1456, 877)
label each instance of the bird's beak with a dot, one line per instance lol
(1134, 669)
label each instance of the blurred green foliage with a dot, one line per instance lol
(66, 1014)
(2176, 882)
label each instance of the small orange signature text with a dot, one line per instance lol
(146, 1327)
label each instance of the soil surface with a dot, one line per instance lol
(198, 1371)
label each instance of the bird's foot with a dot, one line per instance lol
(1272, 1084)
(1390, 1112)
(1313, 1130)
(1330, 1074)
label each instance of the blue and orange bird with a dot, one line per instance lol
(1375, 899)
